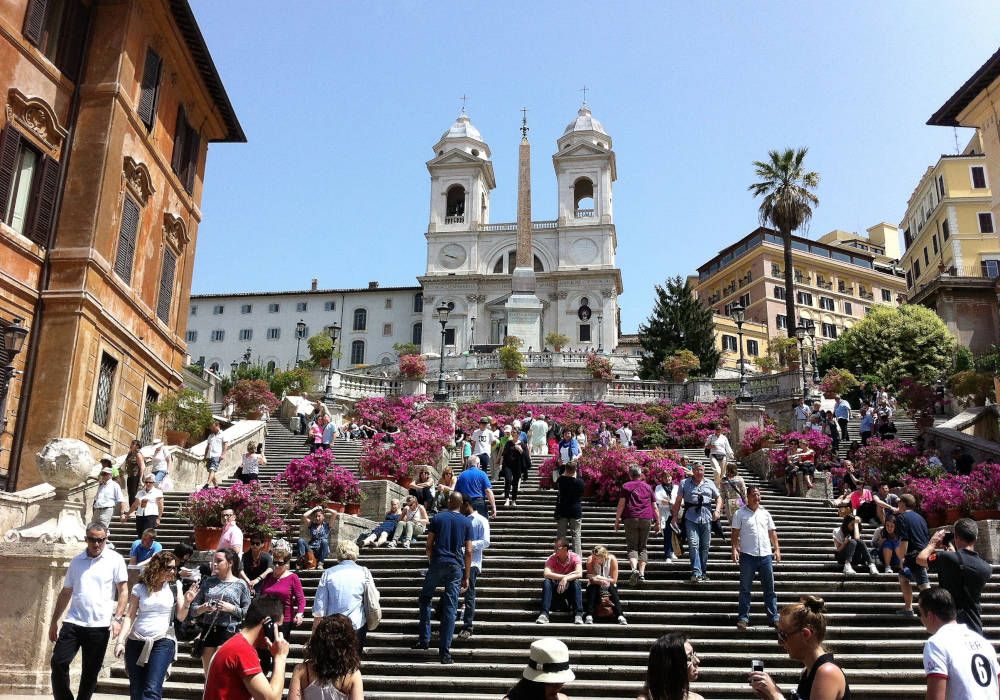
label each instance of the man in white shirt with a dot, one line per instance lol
(483, 440)
(215, 450)
(93, 579)
(800, 416)
(480, 541)
(959, 664)
(755, 548)
(109, 495)
(159, 461)
(624, 434)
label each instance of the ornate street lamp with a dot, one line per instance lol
(300, 331)
(14, 335)
(234, 365)
(333, 332)
(811, 331)
(738, 314)
(246, 356)
(600, 332)
(442, 312)
(800, 336)
(472, 337)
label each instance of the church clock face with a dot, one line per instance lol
(452, 256)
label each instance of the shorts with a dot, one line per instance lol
(218, 634)
(914, 572)
(636, 537)
(213, 464)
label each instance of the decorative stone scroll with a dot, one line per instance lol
(175, 231)
(37, 119)
(138, 180)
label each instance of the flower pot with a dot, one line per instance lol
(511, 374)
(335, 506)
(265, 548)
(405, 481)
(952, 514)
(935, 518)
(207, 538)
(254, 415)
(985, 514)
(176, 437)
(324, 362)
(353, 508)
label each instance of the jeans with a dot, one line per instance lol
(751, 566)
(699, 536)
(854, 553)
(72, 638)
(146, 682)
(144, 522)
(593, 596)
(842, 422)
(573, 526)
(479, 505)
(450, 577)
(668, 540)
(470, 599)
(511, 480)
(159, 476)
(320, 547)
(573, 596)
(424, 496)
(484, 461)
(406, 530)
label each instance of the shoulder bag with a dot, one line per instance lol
(373, 611)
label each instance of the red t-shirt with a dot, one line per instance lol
(235, 660)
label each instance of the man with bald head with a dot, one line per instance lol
(449, 549)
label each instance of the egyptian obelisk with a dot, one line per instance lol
(524, 308)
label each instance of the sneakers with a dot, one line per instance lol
(406, 544)
(642, 578)
(514, 503)
(506, 503)
(888, 569)
(589, 620)
(694, 579)
(622, 620)
(873, 570)
(465, 635)
(906, 612)
(671, 559)
(578, 620)
(543, 619)
(848, 569)
(391, 544)
(742, 625)
(446, 659)
(420, 645)
(633, 580)
(704, 578)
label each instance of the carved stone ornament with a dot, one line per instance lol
(563, 295)
(429, 299)
(138, 179)
(607, 292)
(175, 231)
(37, 119)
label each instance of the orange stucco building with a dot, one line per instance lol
(108, 110)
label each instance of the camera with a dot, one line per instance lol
(757, 666)
(949, 538)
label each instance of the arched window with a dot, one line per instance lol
(270, 365)
(418, 333)
(583, 198)
(358, 352)
(455, 205)
(360, 320)
(505, 264)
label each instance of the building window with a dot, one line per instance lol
(273, 333)
(940, 186)
(58, 28)
(916, 269)
(781, 321)
(192, 336)
(804, 298)
(826, 303)
(927, 259)
(985, 222)
(148, 417)
(907, 239)
(194, 310)
(105, 388)
(187, 144)
(273, 308)
(330, 306)
(886, 295)
(246, 334)
(934, 243)
(418, 303)
(386, 329)
(28, 183)
(128, 229)
(909, 279)
(745, 300)
(829, 330)
(388, 303)
(246, 308)
(149, 90)
(945, 230)
(301, 306)
(584, 333)
(779, 292)
(358, 352)
(848, 308)
(449, 336)
(360, 320)
(729, 343)
(753, 348)
(166, 294)
(978, 177)
(218, 309)
(990, 268)
(417, 336)
(218, 336)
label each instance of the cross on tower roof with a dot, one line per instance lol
(584, 91)
(463, 98)
(524, 122)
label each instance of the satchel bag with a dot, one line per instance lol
(604, 607)
(308, 560)
(373, 611)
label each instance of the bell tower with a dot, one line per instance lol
(461, 179)
(585, 170)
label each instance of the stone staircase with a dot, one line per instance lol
(880, 651)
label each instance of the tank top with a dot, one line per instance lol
(806, 683)
(251, 465)
(158, 461)
(315, 691)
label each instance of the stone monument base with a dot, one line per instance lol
(524, 320)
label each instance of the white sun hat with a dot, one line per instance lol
(548, 662)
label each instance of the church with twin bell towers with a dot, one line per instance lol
(527, 278)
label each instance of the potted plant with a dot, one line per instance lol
(353, 498)
(321, 349)
(678, 366)
(511, 359)
(291, 382)
(919, 399)
(185, 414)
(413, 369)
(556, 340)
(203, 509)
(837, 381)
(600, 367)
(249, 396)
(259, 506)
(316, 480)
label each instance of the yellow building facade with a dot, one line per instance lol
(838, 278)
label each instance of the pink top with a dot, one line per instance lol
(639, 500)
(558, 567)
(317, 433)
(232, 538)
(289, 589)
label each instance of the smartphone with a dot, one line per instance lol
(949, 538)
(268, 629)
(757, 666)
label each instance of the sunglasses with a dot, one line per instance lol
(280, 562)
(97, 540)
(782, 636)
(228, 515)
(693, 659)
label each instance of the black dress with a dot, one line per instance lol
(804, 691)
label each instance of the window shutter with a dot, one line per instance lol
(191, 159)
(74, 36)
(166, 285)
(34, 20)
(10, 144)
(126, 240)
(149, 91)
(180, 136)
(43, 208)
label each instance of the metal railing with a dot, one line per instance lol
(535, 225)
(454, 219)
(584, 213)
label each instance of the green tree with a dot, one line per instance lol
(678, 322)
(788, 202)
(890, 344)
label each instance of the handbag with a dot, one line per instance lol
(604, 608)
(370, 600)
(308, 560)
(198, 644)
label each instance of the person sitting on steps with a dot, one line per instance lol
(562, 574)
(318, 532)
(602, 580)
(412, 523)
(800, 461)
(381, 534)
(849, 548)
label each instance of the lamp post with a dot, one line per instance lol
(300, 330)
(738, 314)
(333, 332)
(14, 334)
(600, 332)
(442, 312)
(811, 331)
(234, 365)
(472, 336)
(800, 336)
(246, 356)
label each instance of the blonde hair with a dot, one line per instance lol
(345, 549)
(600, 551)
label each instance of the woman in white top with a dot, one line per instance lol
(147, 507)
(250, 466)
(411, 523)
(581, 437)
(147, 638)
(665, 495)
(719, 450)
(602, 580)
(159, 461)
(331, 669)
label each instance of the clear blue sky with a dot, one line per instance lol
(342, 102)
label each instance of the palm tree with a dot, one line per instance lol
(788, 204)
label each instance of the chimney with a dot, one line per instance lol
(373, 284)
(315, 284)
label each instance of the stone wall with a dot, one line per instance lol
(376, 495)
